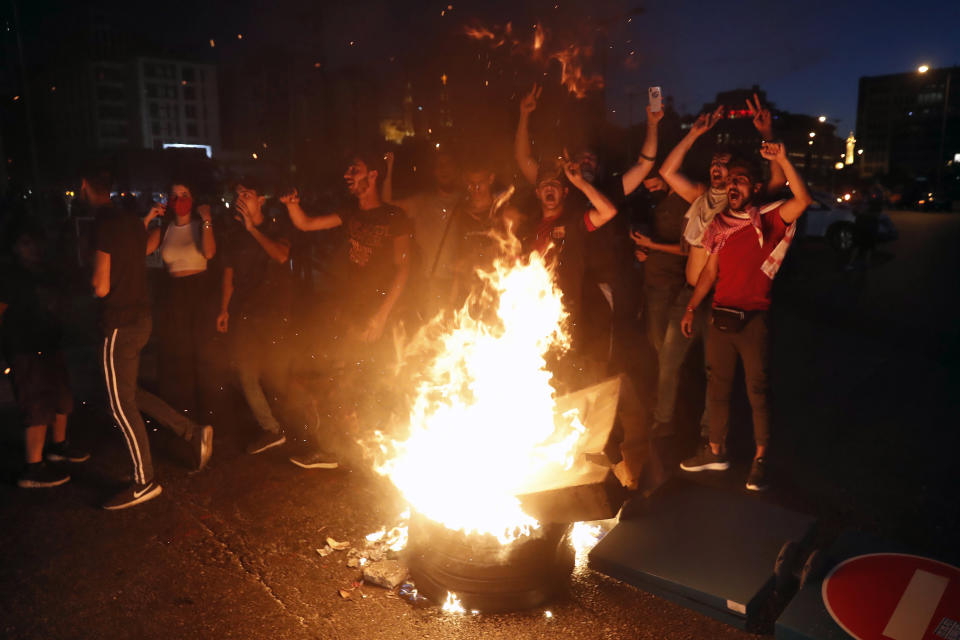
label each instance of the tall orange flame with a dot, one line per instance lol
(484, 424)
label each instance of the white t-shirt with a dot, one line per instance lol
(180, 249)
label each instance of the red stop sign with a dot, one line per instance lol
(894, 596)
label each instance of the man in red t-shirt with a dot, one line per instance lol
(746, 246)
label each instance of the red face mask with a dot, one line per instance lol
(182, 206)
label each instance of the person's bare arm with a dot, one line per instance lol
(795, 206)
(101, 274)
(777, 179)
(521, 143)
(401, 258)
(226, 292)
(678, 249)
(278, 250)
(153, 240)
(763, 122)
(603, 210)
(670, 170)
(154, 237)
(636, 174)
(696, 259)
(157, 210)
(208, 243)
(386, 189)
(304, 222)
(704, 284)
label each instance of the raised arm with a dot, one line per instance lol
(153, 240)
(763, 122)
(603, 210)
(521, 143)
(636, 174)
(386, 191)
(208, 244)
(154, 236)
(157, 210)
(278, 250)
(795, 206)
(302, 221)
(670, 170)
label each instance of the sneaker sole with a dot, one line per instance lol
(206, 447)
(757, 487)
(316, 465)
(712, 466)
(149, 495)
(36, 484)
(276, 443)
(55, 457)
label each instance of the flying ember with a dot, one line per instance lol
(572, 57)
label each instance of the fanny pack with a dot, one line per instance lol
(730, 320)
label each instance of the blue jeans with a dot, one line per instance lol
(658, 305)
(673, 351)
(261, 359)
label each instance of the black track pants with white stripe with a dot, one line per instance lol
(120, 361)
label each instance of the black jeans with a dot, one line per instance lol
(120, 363)
(185, 336)
(722, 350)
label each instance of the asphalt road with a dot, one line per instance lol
(867, 391)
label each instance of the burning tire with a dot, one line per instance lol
(485, 574)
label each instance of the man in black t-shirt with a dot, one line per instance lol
(665, 258)
(607, 250)
(255, 307)
(120, 282)
(374, 267)
(31, 308)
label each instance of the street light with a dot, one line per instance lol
(822, 118)
(923, 68)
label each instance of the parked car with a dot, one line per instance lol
(826, 218)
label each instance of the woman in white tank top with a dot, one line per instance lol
(183, 311)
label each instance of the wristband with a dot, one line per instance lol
(691, 309)
(206, 225)
(646, 157)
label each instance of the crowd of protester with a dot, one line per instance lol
(695, 264)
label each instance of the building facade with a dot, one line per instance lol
(175, 103)
(908, 125)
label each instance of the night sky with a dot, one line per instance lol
(808, 56)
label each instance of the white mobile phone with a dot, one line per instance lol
(656, 100)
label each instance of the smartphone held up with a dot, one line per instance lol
(656, 99)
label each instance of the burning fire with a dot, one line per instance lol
(452, 604)
(484, 424)
(571, 71)
(571, 57)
